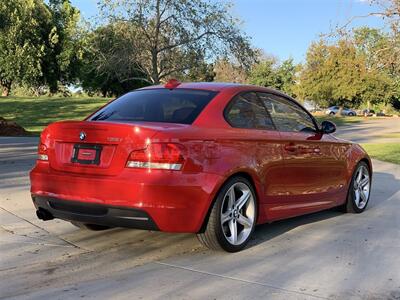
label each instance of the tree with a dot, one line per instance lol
(22, 27)
(62, 59)
(38, 43)
(168, 37)
(389, 10)
(389, 51)
(383, 73)
(264, 73)
(381, 50)
(100, 72)
(345, 73)
(332, 74)
(270, 73)
(287, 77)
(377, 88)
(203, 72)
(226, 71)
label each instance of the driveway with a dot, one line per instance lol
(326, 255)
(372, 130)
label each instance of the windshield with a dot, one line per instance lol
(156, 105)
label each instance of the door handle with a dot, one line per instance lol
(291, 147)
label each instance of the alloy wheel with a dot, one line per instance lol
(362, 187)
(238, 213)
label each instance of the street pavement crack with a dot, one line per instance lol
(239, 279)
(21, 218)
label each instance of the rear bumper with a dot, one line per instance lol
(95, 213)
(173, 200)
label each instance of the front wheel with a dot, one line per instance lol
(360, 189)
(233, 217)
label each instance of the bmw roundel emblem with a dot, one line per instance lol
(82, 136)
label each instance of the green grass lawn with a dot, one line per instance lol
(389, 152)
(34, 113)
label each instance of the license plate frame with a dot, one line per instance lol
(79, 147)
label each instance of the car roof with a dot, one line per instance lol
(218, 87)
(213, 86)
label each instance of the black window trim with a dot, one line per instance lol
(290, 99)
(230, 103)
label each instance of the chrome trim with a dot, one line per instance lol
(134, 218)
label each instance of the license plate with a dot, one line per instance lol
(86, 154)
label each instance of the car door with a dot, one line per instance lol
(314, 175)
(263, 146)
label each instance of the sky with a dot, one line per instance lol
(284, 28)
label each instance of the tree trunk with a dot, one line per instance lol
(6, 91)
(6, 87)
(154, 68)
(155, 75)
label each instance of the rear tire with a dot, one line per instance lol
(93, 227)
(233, 217)
(359, 190)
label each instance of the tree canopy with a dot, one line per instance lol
(38, 43)
(165, 38)
(108, 74)
(270, 73)
(22, 47)
(349, 71)
(45, 46)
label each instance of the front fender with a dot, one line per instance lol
(357, 154)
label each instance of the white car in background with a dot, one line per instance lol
(333, 110)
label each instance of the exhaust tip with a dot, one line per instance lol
(44, 215)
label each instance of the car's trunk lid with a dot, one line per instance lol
(99, 148)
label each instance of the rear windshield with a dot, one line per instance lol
(158, 105)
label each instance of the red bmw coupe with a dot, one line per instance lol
(208, 158)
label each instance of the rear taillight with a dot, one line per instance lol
(42, 152)
(167, 156)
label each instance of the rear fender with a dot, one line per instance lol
(253, 178)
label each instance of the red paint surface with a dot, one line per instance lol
(293, 173)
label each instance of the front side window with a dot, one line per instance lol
(246, 111)
(156, 105)
(287, 116)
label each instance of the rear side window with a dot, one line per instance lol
(287, 115)
(158, 105)
(247, 111)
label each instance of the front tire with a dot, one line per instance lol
(233, 217)
(360, 189)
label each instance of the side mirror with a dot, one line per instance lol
(328, 127)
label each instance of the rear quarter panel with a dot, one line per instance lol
(226, 152)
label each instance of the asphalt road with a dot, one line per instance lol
(326, 255)
(372, 130)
